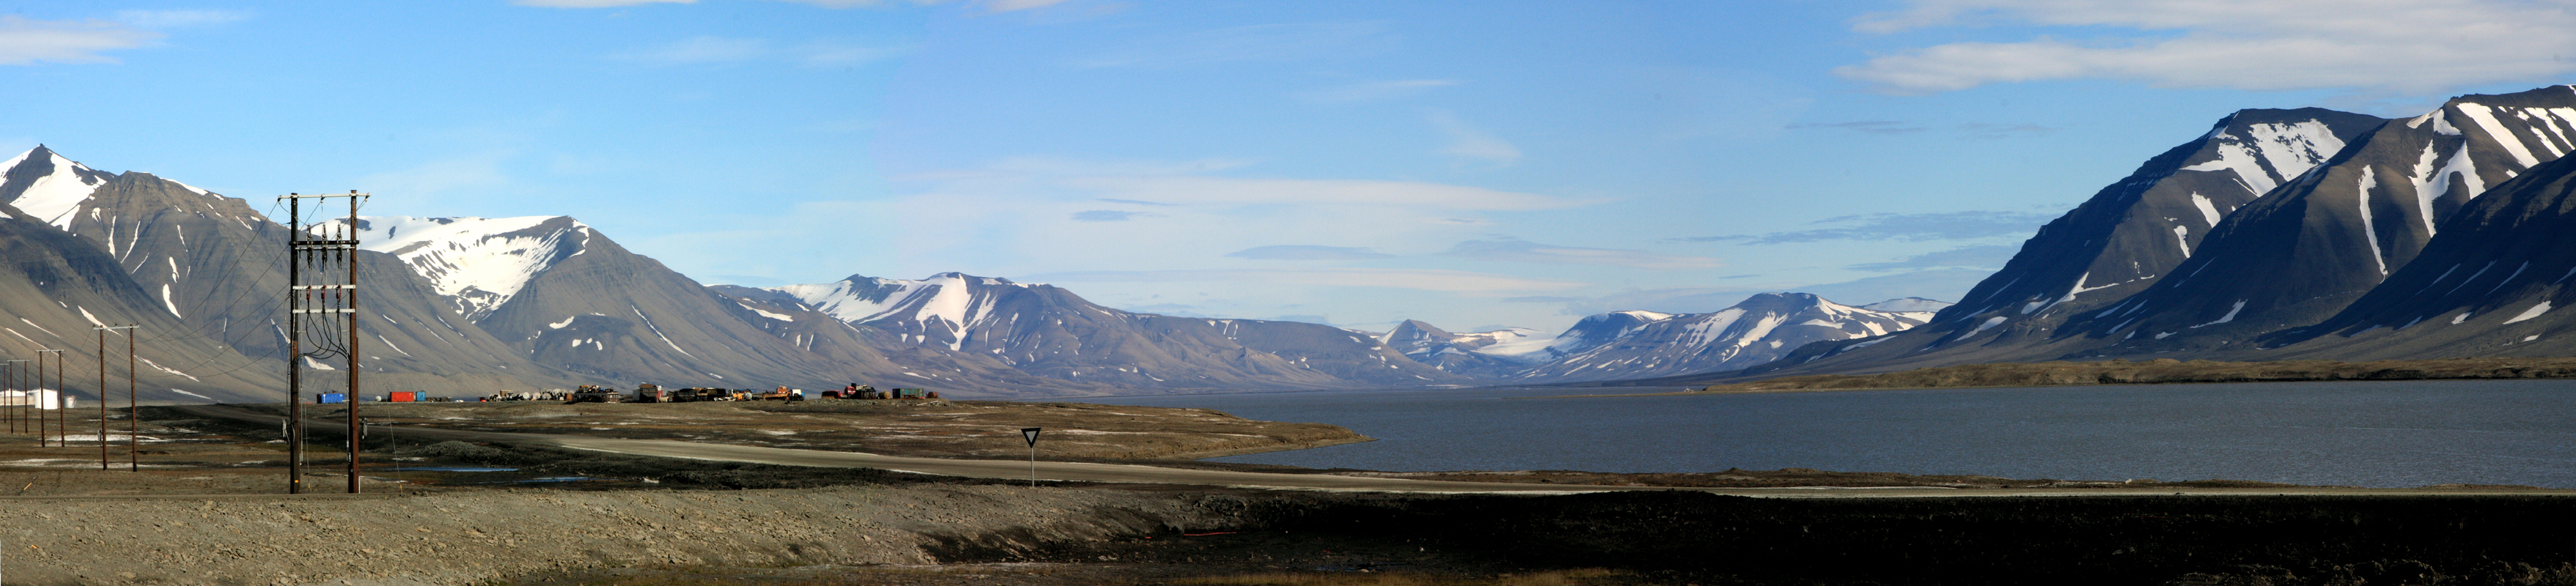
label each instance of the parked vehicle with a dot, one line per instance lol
(596, 394)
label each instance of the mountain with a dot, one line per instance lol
(2340, 229)
(571, 299)
(1762, 328)
(1495, 354)
(214, 268)
(2125, 238)
(1049, 332)
(2490, 283)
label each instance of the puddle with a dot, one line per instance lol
(454, 469)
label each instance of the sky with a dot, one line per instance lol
(1474, 165)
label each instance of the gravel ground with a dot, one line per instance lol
(494, 535)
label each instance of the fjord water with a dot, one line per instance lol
(2375, 434)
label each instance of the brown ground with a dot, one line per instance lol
(2165, 371)
(206, 509)
(934, 428)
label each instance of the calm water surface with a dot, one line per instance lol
(2383, 434)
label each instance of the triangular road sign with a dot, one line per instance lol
(1030, 433)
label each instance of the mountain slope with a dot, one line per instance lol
(1762, 328)
(2491, 283)
(2338, 231)
(1049, 332)
(2127, 237)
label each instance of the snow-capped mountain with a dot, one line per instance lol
(476, 263)
(1762, 328)
(2341, 228)
(1498, 353)
(1642, 344)
(1049, 332)
(2297, 256)
(2493, 282)
(49, 188)
(2130, 234)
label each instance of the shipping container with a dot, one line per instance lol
(331, 398)
(406, 396)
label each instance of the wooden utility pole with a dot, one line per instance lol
(102, 384)
(15, 372)
(58, 396)
(341, 299)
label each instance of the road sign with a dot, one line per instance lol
(1031, 434)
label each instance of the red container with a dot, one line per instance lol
(405, 396)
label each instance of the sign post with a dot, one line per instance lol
(1031, 434)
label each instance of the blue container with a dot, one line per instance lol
(332, 398)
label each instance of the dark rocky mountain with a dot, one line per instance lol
(2127, 237)
(2492, 282)
(2322, 241)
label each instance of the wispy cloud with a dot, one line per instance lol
(166, 19)
(1254, 43)
(1374, 91)
(1190, 189)
(1136, 202)
(1308, 252)
(1469, 142)
(1422, 279)
(1983, 257)
(1012, 5)
(1110, 215)
(595, 3)
(2373, 46)
(1517, 250)
(701, 50)
(1868, 126)
(707, 50)
(1907, 227)
(26, 41)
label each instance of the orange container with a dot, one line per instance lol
(405, 396)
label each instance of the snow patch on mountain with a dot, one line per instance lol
(476, 263)
(950, 301)
(2287, 148)
(58, 192)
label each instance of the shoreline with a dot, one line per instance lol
(2161, 371)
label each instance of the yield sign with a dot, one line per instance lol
(1031, 434)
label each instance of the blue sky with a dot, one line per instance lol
(1470, 164)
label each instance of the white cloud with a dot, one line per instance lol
(1517, 250)
(2401, 46)
(1011, 5)
(1469, 142)
(1232, 191)
(701, 50)
(161, 19)
(705, 50)
(1261, 42)
(1375, 91)
(843, 54)
(1423, 279)
(595, 3)
(26, 41)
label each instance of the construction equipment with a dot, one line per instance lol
(595, 394)
(782, 394)
(651, 393)
(854, 391)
